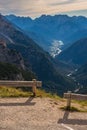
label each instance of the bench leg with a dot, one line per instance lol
(69, 100)
(34, 91)
(34, 87)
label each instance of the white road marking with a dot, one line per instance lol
(69, 128)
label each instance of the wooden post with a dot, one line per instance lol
(34, 87)
(69, 100)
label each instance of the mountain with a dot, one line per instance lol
(75, 55)
(51, 32)
(10, 56)
(9, 71)
(81, 77)
(35, 58)
(12, 65)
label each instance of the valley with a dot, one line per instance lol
(44, 50)
(47, 29)
(35, 59)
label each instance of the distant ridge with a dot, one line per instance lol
(47, 29)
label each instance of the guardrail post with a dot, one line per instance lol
(69, 100)
(34, 87)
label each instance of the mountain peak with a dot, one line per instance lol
(12, 16)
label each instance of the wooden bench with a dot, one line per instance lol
(69, 96)
(34, 84)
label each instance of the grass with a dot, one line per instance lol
(13, 92)
(83, 103)
(72, 109)
(43, 93)
(77, 106)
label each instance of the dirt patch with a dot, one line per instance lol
(38, 114)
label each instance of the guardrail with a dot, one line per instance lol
(34, 84)
(69, 96)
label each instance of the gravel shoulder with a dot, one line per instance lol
(38, 114)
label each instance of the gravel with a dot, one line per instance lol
(38, 114)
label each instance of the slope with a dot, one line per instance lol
(35, 58)
(76, 54)
(12, 65)
(81, 77)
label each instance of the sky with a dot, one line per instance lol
(35, 8)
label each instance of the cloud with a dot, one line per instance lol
(35, 8)
(77, 12)
(63, 2)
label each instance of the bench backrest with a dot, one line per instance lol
(75, 96)
(20, 83)
(69, 96)
(34, 83)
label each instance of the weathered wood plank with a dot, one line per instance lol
(20, 83)
(69, 96)
(76, 96)
(34, 83)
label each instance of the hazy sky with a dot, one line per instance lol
(35, 8)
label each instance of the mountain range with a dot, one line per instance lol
(35, 59)
(53, 33)
(50, 48)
